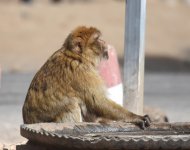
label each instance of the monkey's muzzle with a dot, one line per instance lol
(104, 48)
(105, 54)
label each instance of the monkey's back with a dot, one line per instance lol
(56, 87)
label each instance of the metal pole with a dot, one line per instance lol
(134, 55)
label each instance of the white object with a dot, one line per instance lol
(115, 93)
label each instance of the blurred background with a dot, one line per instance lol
(31, 30)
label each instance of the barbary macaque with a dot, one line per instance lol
(68, 87)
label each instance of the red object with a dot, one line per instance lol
(109, 69)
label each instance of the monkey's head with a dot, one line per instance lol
(87, 43)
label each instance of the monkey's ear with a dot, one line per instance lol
(73, 44)
(77, 45)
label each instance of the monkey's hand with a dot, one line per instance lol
(143, 121)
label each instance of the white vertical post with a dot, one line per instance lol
(134, 55)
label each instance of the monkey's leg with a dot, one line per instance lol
(103, 120)
(72, 116)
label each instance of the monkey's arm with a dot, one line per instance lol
(91, 91)
(108, 109)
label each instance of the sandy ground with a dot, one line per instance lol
(29, 34)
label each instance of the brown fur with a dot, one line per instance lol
(68, 87)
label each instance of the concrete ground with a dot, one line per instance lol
(168, 91)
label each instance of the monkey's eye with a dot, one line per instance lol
(96, 36)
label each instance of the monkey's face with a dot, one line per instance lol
(87, 42)
(98, 46)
